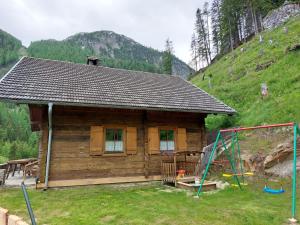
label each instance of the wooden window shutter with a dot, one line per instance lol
(153, 140)
(96, 140)
(131, 140)
(181, 139)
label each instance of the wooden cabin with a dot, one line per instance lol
(102, 125)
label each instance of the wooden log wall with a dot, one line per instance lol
(70, 158)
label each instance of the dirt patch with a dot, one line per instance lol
(107, 218)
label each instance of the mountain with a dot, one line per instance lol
(9, 51)
(113, 49)
(237, 77)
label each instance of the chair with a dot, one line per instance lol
(30, 169)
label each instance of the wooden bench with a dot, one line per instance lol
(18, 164)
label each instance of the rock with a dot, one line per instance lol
(280, 15)
(264, 65)
(277, 157)
(280, 146)
(256, 162)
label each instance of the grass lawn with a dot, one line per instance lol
(150, 204)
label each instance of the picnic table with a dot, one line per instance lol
(13, 165)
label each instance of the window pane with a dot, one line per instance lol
(109, 146)
(171, 145)
(119, 146)
(163, 135)
(163, 145)
(171, 135)
(119, 134)
(109, 136)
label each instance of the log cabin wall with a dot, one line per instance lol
(71, 158)
(194, 124)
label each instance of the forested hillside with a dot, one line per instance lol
(9, 47)
(237, 78)
(113, 49)
(16, 138)
(223, 25)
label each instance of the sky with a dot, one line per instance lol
(147, 22)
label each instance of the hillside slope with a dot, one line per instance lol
(9, 47)
(236, 80)
(115, 50)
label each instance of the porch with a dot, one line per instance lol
(177, 166)
(184, 169)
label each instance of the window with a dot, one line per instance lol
(114, 140)
(167, 142)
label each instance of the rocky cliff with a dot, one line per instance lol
(281, 15)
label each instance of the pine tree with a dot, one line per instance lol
(232, 22)
(168, 57)
(216, 25)
(194, 51)
(206, 29)
(202, 38)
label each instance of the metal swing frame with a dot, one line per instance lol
(296, 132)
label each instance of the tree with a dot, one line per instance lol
(232, 22)
(202, 30)
(216, 25)
(194, 51)
(168, 57)
(206, 29)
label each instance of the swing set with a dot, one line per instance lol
(242, 174)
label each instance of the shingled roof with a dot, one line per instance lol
(40, 81)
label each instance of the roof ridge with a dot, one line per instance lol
(111, 68)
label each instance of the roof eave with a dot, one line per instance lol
(44, 102)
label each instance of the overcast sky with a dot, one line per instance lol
(148, 22)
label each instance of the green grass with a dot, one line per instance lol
(154, 204)
(236, 82)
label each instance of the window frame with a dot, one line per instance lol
(107, 152)
(174, 139)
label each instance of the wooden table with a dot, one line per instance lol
(13, 165)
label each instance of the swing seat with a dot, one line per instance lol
(242, 184)
(239, 174)
(273, 191)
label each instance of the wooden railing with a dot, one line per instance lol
(169, 172)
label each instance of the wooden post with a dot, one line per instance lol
(3, 216)
(146, 154)
(13, 220)
(175, 166)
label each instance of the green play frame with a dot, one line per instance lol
(234, 141)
